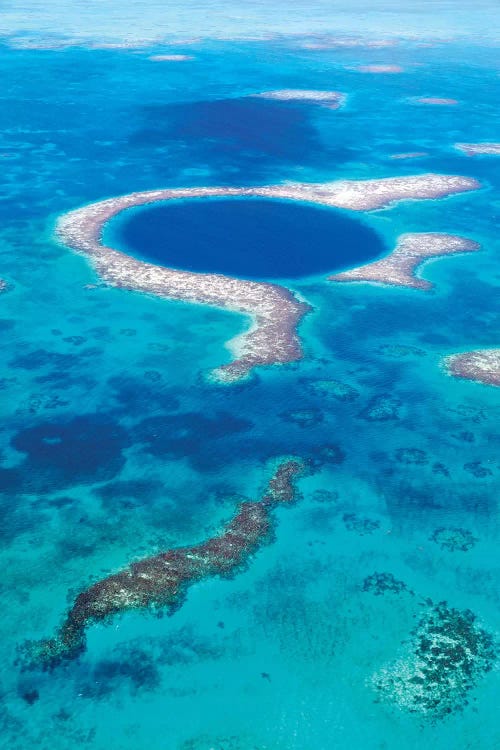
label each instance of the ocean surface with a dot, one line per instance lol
(246, 238)
(115, 445)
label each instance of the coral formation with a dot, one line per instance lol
(411, 456)
(275, 312)
(453, 539)
(382, 408)
(334, 388)
(448, 656)
(161, 581)
(435, 100)
(381, 583)
(329, 99)
(479, 149)
(360, 525)
(379, 68)
(399, 267)
(481, 365)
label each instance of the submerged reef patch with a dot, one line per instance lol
(448, 655)
(397, 351)
(359, 524)
(481, 365)
(328, 99)
(436, 101)
(274, 310)
(399, 267)
(161, 581)
(332, 388)
(379, 69)
(453, 539)
(303, 417)
(382, 583)
(382, 408)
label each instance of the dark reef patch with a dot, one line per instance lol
(325, 496)
(383, 583)
(328, 454)
(359, 524)
(37, 402)
(136, 667)
(332, 389)
(449, 654)
(411, 456)
(382, 408)
(477, 469)
(303, 417)
(441, 469)
(453, 539)
(397, 351)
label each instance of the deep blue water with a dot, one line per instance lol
(249, 238)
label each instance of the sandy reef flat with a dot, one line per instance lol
(379, 69)
(436, 101)
(481, 365)
(399, 267)
(410, 155)
(275, 311)
(329, 99)
(170, 58)
(478, 149)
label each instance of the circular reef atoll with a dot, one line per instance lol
(329, 99)
(161, 581)
(481, 365)
(479, 149)
(399, 267)
(275, 311)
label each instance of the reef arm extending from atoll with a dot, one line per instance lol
(367, 195)
(161, 581)
(399, 267)
(275, 311)
(480, 365)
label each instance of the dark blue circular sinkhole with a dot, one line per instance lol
(245, 237)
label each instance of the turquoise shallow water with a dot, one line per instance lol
(115, 446)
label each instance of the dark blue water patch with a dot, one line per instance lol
(60, 454)
(249, 238)
(202, 440)
(244, 135)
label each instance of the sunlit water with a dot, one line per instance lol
(115, 446)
